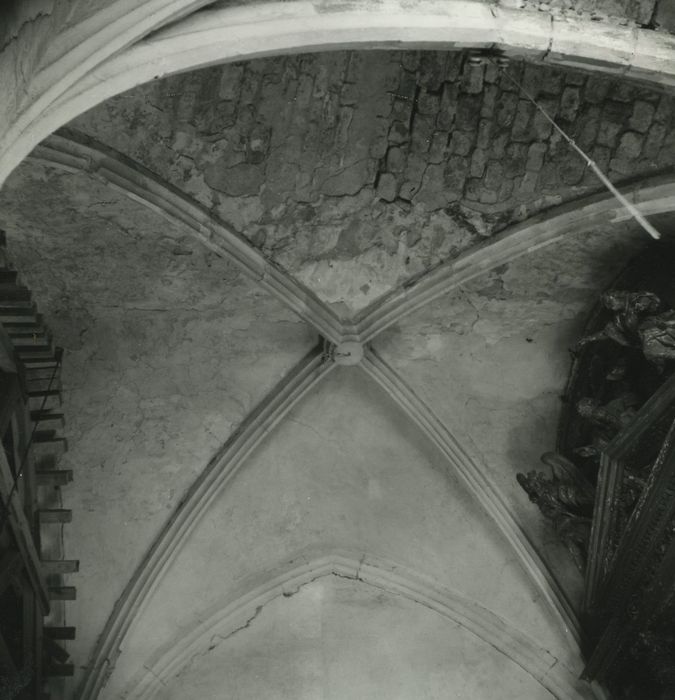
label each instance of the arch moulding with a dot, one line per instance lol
(106, 54)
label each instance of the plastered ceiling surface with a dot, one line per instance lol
(352, 173)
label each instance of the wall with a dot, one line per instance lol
(357, 170)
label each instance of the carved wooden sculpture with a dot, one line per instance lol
(565, 499)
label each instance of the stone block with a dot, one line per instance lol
(573, 77)
(347, 181)
(398, 133)
(521, 130)
(491, 74)
(601, 155)
(240, 180)
(642, 116)
(532, 79)
(349, 94)
(432, 69)
(489, 106)
(395, 159)
(506, 108)
(407, 87)
(586, 127)
(378, 139)
(551, 81)
(630, 146)
(415, 166)
(478, 162)
(623, 92)
(472, 78)
(484, 133)
(512, 71)
(230, 82)
(401, 110)
(387, 187)
(541, 126)
(505, 190)
(494, 175)
(597, 88)
(621, 167)
(407, 190)
(410, 60)
(654, 141)
(473, 189)
(535, 157)
(428, 103)
(570, 101)
(448, 107)
(454, 175)
(438, 150)
(344, 122)
(433, 193)
(664, 110)
(607, 133)
(468, 107)
(453, 66)
(528, 184)
(548, 177)
(422, 131)
(488, 197)
(665, 16)
(571, 169)
(461, 143)
(498, 145)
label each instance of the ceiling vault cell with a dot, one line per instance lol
(651, 196)
(75, 152)
(480, 485)
(105, 54)
(203, 491)
(244, 605)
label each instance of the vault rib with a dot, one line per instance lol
(200, 495)
(481, 486)
(653, 196)
(109, 55)
(389, 576)
(73, 151)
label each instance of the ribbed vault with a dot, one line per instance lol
(208, 351)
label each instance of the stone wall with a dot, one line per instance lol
(639, 11)
(393, 161)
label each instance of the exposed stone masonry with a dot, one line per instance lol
(639, 11)
(388, 161)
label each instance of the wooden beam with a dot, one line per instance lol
(62, 593)
(59, 632)
(60, 566)
(60, 670)
(7, 666)
(22, 533)
(55, 515)
(54, 650)
(10, 565)
(10, 389)
(54, 477)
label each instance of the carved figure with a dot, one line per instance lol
(657, 335)
(565, 499)
(639, 321)
(606, 420)
(629, 310)
(611, 417)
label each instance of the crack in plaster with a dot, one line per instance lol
(42, 14)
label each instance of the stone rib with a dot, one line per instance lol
(482, 488)
(73, 151)
(201, 494)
